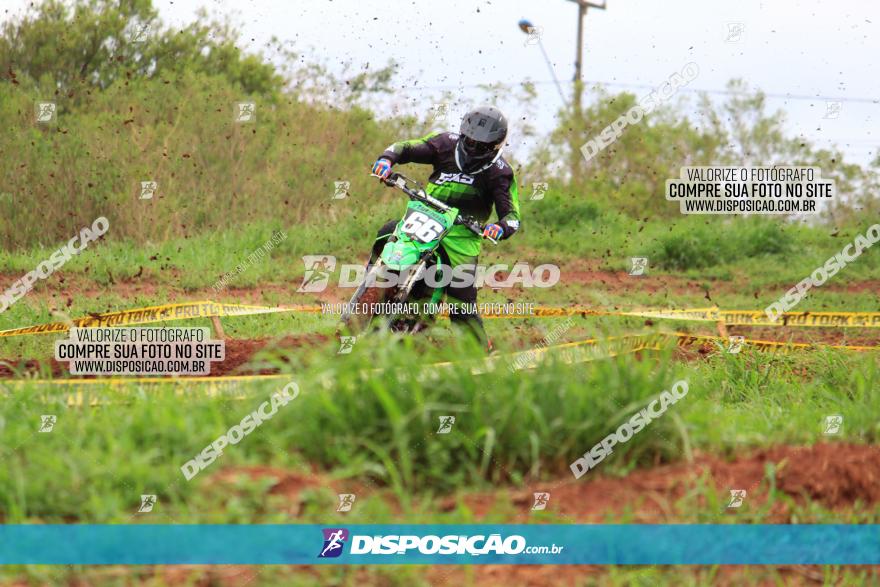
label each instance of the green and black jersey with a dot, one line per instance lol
(473, 194)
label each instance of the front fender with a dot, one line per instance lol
(401, 254)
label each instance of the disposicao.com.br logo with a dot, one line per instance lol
(431, 544)
(319, 269)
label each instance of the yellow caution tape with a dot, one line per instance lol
(731, 317)
(685, 339)
(571, 352)
(654, 341)
(206, 309)
(590, 350)
(759, 317)
(166, 312)
(606, 347)
(154, 380)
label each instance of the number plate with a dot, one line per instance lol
(421, 227)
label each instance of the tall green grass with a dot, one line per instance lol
(213, 173)
(373, 416)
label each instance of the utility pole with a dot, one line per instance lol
(579, 55)
(577, 102)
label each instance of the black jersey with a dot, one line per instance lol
(474, 194)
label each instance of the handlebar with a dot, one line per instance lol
(471, 224)
(401, 182)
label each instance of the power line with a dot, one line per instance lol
(651, 87)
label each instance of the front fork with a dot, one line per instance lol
(369, 278)
(414, 275)
(405, 289)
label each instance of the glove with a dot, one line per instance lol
(382, 168)
(493, 231)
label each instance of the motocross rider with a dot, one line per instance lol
(470, 174)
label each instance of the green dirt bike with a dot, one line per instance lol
(409, 252)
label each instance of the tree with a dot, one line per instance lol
(68, 49)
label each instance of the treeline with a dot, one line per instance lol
(137, 102)
(630, 173)
(140, 109)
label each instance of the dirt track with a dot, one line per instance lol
(833, 336)
(58, 290)
(841, 477)
(241, 352)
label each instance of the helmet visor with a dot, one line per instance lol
(476, 148)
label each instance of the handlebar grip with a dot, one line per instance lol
(471, 224)
(475, 228)
(386, 180)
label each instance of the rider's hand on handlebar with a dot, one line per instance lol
(493, 232)
(382, 168)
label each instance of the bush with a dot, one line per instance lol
(694, 244)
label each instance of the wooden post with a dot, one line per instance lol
(218, 328)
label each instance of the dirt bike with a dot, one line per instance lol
(409, 251)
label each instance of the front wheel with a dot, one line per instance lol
(359, 312)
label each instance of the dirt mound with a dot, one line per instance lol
(835, 474)
(288, 484)
(838, 476)
(239, 353)
(819, 336)
(15, 368)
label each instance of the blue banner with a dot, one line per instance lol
(555, 544)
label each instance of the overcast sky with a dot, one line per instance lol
(827, 51)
